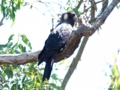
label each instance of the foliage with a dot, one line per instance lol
(28, 77)
(17, 47)
(9, 7)
(115, 76)
(22, 77)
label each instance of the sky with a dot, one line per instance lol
(92, 72)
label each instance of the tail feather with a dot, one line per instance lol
(40, 56)
(48, 69)
(47, 56)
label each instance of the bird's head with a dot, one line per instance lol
(69, 17)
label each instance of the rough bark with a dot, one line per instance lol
(99, 21)
(70, 47)
(68, 50)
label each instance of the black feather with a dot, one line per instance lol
(55, 41)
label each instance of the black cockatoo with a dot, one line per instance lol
(56, 41)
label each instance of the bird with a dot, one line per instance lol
(56, 42)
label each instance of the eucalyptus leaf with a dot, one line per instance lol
(26, 41)
(9, 73)
(10, 38)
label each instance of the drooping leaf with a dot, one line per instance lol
(13, 87)
(10, 38)
(59, 88)
(54, 76)
(76, 11)
(115, 71)
(26, 41)
(10, 44)
(9, 73)
(21, 47)
(118, 82)
(9, 8)
(53, 85)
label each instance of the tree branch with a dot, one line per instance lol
(99, 21)
(32, 56)
(19, 58)
(94, 4)
(72, 44)
(74, 63)
(79, 4)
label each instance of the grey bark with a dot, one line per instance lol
(99, 21)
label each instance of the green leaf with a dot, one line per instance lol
(15, 66)
(9, 8)
(76, 11)
(54, 76)
(118, 82)
(23, 78)
(24, 49)
(31, 67)
(115, 71)
(68, 9)
(10, 38)
(53, 85)
(9, 73)
(2, 46)
(6, 85)
(0, 73)
(59, 88)
(12, 14)
(15, 45)
(13, 87)
(21, 47)
(16, 51)
(18, 5)
(26, 41)
(28, 82)
(10, 44)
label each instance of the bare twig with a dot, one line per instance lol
(91, 6)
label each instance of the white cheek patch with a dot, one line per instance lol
(65, 16)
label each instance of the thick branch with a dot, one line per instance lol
(95, 26)
(19, 58)
(72, 44)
